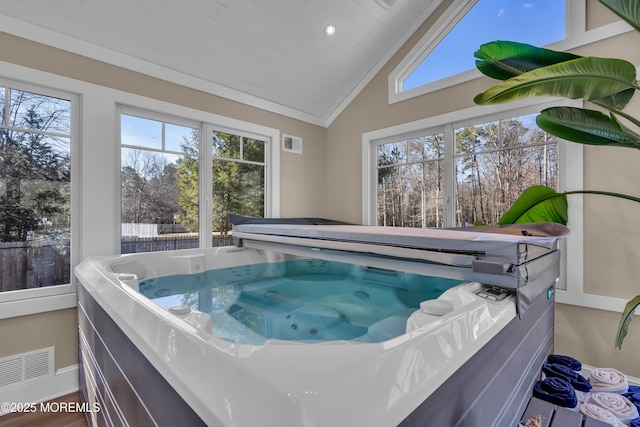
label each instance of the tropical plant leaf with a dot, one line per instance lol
(505, 59)
(537, 204)
(586, 77)
(586, 127)
(629, 10)
(625, 319)
(617, 101)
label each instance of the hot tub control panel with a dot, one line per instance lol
(493, 293)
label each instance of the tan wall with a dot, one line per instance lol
(28, 333)
(598, 15)
(302, 177)
(612, 236)
(589, 335)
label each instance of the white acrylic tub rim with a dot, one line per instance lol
(286, 383)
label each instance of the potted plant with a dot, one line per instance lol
(608, 83)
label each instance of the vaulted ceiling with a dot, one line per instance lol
(272, 54)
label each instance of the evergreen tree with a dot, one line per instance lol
(36, 174)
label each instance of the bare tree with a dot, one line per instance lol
(149, 189)
(494, 163)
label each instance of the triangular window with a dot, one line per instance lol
(448, 48)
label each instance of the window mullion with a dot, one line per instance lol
(205, 210)
(7, 107)
(449, 176)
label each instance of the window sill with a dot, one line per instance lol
(27, 306)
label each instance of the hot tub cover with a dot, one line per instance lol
(523, 257)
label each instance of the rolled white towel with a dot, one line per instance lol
(600, 414)
(609, 380)
(618, 405)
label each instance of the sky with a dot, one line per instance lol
(536, 22)
(147, 133)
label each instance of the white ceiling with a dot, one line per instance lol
(272, 54)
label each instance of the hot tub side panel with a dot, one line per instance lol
(113, 372)
(494, 386)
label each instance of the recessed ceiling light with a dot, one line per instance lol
(329, 29)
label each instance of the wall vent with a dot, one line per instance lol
(26, 367)
(292, 144)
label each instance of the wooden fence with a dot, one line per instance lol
(150, 230)
(168, 242)
(26, 265)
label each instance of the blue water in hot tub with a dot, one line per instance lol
(306, 300)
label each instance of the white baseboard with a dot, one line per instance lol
(63, 382)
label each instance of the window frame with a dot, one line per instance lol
(570, 172)
(576, 36)
(63, 294)
(207, 125)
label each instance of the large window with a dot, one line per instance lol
(35, 187)
(537, 22)
(492, 163)
(172, 194)
(443, 57)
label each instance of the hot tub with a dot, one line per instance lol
(247, 336)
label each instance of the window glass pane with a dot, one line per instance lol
(411, 195)
(181, 138)
(389, 197)
(392, 153)
(253, 150)
(226, 145)
(487, 185)
(238, 188)
(253, 187)
(35, 198)
(477, 138)
(39, 112)
(159, 201)
(522, 130)
(427, 147)
(140, 132)
(538, 22)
